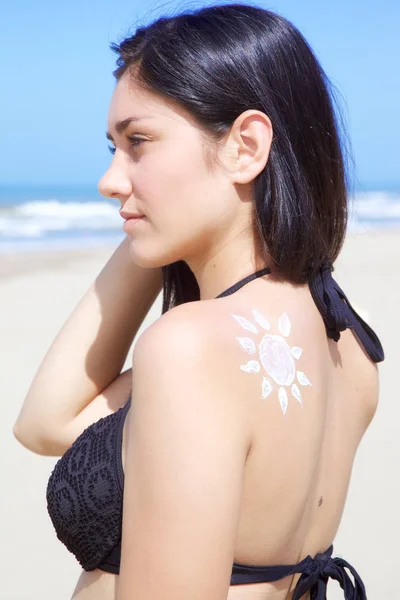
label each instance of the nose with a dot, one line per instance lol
(115, 184)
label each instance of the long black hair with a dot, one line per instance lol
(221, 60)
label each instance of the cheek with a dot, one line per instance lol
(183, 203)
(173, 186)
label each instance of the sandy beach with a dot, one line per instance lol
(38, 292)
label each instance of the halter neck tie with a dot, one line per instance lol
(338, 313)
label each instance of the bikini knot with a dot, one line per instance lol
(317, 571)
(338, 313)
(319, 563)
(316, 568)
(328, 298)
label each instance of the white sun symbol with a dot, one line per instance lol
(276, 357)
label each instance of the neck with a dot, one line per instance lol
(232, 261)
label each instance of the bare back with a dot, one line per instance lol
(298, 470)
(304, 438)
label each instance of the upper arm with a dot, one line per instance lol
(186, 452)
(55, 442)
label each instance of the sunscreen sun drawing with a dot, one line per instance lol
(275, 356)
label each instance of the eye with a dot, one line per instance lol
(133, 140)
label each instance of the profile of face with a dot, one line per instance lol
(159, 170)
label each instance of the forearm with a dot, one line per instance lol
(90, 350)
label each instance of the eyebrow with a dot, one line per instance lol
(122, 125)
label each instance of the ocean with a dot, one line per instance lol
(45, 218)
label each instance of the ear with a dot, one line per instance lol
(250, 143)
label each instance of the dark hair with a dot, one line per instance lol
(221, 60)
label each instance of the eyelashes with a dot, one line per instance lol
(133, 140)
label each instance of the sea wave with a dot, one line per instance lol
(36, 219)
(377, 206)
(92, 220)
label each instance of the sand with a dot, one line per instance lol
(38, 292)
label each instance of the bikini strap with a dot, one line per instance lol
(315, 573)
(233, 288)
(338, 313)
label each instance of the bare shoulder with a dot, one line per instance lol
(217, 334)
(193, 325)
(191, 348)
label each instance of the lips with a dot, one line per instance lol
(126, 215)
(131, 224)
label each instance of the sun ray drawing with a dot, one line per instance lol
(276, 359)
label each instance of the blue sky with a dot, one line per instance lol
(56, 69)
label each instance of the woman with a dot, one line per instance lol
(227, 475)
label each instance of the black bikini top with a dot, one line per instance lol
(85, 489)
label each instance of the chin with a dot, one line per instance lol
(149, 260)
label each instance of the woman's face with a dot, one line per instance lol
(162, 174)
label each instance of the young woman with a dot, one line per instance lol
(218, 466)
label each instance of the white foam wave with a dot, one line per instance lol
(36, 219)
(57, 209)
(44, 219)
(376, 206)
